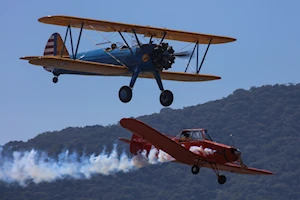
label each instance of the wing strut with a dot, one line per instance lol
(197, 57)
(162, 39)
(198, 69)
(150, 40)
(79, 37)
(137, 39)
(125, 41)
(71, 40)
(63, 48)
(196, 44)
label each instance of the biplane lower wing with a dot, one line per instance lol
(180, 76)
(160, 141)
(109, 69)
(77, 65)
(234, 168)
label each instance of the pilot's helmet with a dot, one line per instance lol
(186, 134)
(113, 46)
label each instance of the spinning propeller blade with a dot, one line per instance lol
(183, 54)
(238, 153)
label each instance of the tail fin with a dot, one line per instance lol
(137, 144)
(55, 47)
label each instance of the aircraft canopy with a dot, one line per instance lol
(194, 134)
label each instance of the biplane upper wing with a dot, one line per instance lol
(148, 31)
(230, 167)
(181, 76)
(77, 65)
(160, 141)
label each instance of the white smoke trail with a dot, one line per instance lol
(38, 167)
(154, 156)
(199, 150)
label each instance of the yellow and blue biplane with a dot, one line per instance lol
(150, 60)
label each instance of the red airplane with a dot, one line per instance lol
(193, 147)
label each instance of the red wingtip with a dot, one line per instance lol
(125, 121)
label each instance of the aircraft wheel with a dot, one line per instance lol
(195, 169)
(55, 79)
(222, 179)
(125, 94)
(166, 98)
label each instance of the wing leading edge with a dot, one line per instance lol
(148, 31)
(181, 76)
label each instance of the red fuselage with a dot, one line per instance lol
(212, 151)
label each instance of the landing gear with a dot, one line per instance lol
(195, 169)
(55, 79)
(166, 98)
(125, 94)
(221, 179)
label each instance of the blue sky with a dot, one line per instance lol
(266, 52)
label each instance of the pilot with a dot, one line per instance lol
(185, 136)
(113, 46)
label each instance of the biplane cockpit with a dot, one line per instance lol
(115, 46)
(194, 134)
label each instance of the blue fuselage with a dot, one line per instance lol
(137, 56)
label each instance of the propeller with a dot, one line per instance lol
(231, 136)
(238, 153)
(163, 56)
(183, 54)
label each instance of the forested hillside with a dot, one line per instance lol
(264, 122)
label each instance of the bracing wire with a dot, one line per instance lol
(106, 38)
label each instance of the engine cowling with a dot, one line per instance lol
(163, 56)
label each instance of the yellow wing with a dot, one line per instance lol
(77, 65)
(148, 31)
(180, 76)
(109, 69)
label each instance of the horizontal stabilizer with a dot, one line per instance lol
(125, 140)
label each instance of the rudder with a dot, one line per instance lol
(55, 47)
(137, 144)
